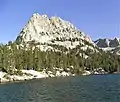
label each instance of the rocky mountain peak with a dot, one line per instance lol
(49, 31)
(36, 15)
(53, 27)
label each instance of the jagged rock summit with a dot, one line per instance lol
(42, 29)
(49, 31)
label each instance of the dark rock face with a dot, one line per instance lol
(114, 43)
(103, 43)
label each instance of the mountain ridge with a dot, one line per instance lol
(108, 42)
(38, 24)
(112, 45)
(50, 31)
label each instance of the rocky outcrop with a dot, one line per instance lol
(32, 74)
(116, 50)
(41, 28)
(49, 31)
(95, 72)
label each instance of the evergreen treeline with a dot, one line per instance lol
(13, 56)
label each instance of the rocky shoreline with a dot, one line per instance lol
(95, 72)
(32, 74)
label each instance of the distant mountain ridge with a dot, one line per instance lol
(103, 43)
(112, 45)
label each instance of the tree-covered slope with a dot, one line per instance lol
(53, 44)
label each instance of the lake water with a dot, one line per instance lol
(96, 88)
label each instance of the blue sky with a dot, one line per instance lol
(97, 18)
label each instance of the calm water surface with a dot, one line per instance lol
(99, 88)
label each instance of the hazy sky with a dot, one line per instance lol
(97, 18)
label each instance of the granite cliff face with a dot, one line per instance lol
(49, 31)
(42, 29)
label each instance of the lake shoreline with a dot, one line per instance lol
(32, 74)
